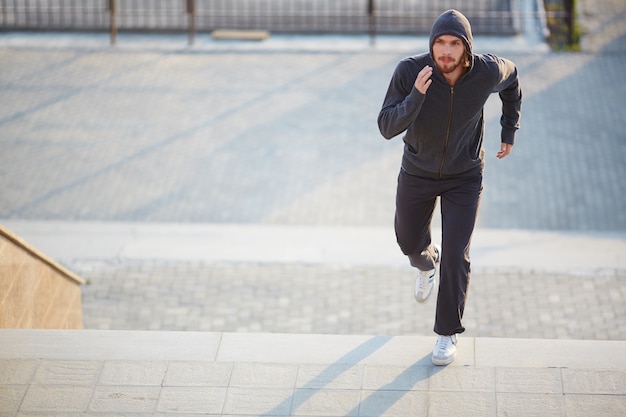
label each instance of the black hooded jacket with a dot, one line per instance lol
(445, 127)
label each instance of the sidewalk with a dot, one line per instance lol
(332, 280)
(206, 189)
(72, 373)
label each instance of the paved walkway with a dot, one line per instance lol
(140, 374)
(336, 280)
(285, 132)
(282, 135)
(300, 298)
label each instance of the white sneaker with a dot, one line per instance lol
(426, 279)
(445, 350)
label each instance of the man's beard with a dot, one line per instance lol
(448, 67)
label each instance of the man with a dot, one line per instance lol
(437, 100)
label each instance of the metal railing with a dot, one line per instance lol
(281, 16)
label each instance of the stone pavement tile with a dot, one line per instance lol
(11, 397)
(594, 381)
(581, 405)
(413, 378)
(118, 414)
(393, 403)
(55, 372)
(534, 353)
(259, 401)
(333, 376)
(124, 399)
(158, 414)
(529, 380)
(530, 405)
(17, 371)
(85, 414)
(189, 374)
(325, 402)
(461, 404)
(208, 400)
(325, 348)
(472, 379)
(262, 375)
(145, 373)
(56, 398)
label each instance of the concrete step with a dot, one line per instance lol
(228, 374)
(358, 246)
(305, 348)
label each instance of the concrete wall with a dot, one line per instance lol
(35, 291)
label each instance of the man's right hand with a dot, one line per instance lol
(423, 81)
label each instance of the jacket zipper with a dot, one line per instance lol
(445, 146)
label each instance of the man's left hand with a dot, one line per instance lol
(505, 149)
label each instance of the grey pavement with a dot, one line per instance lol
(305, 298)
(282, 134)
(241, 193)
(258, 137)
(95, 373)
(335, 280)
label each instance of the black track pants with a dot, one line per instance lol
(415, 204)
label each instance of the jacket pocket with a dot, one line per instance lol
(411, 149)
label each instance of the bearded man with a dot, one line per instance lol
(436, 99)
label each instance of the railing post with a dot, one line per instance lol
(371, 12)
(4, 13)
(113, 10)
(191, 11)
(570, 11)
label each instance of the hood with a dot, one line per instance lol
(453, 22)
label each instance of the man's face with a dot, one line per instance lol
(448, 51)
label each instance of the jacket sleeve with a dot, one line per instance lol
(510, 93)
(402, 103)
